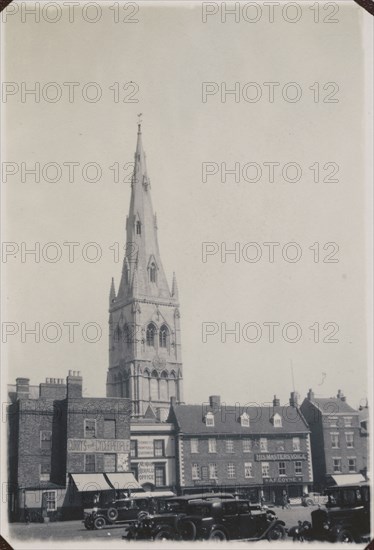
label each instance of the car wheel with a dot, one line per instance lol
(163, 534)
(188, 530)
(99, 523)
(345, 536)
(112, 514)
(217, 534)
(309, 502)
(276, 533)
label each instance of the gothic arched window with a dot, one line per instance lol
(138, 228)
(151, 330)
(152, 272)
(164, 334)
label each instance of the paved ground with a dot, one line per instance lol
(75, 530)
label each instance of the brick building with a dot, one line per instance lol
(64, 448)
(261, 451)
(339, 442)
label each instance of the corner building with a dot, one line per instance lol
(145, 363)
(65, 448)
(339, 441)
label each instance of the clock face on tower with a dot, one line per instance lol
(158, 362)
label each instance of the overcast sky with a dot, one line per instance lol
(167, 55)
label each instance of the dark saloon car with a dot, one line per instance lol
(210, 519)
(122, 510)
(346, 517)
(164, 523)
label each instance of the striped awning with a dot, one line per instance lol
(91, 482)
(123, 480)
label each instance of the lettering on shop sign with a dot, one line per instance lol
(98, 445)
(272, 480)
(146, 472)
(280, 456)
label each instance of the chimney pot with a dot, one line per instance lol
(23, 388)
(173, 401)
(276, 401)
(215, 401)
(310, 395)
(74, 385)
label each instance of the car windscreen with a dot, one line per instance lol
(172, 506)
(350, 496)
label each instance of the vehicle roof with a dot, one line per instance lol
(203, 496)
(347, 486)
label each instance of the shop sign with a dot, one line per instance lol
(146, 472)
(98, 445)
(280, 456)
(281, 480)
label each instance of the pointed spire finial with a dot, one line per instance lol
(112, 294)
(140, 123)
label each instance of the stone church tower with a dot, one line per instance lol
(144, 329)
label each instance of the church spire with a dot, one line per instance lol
(144, 311)
(142, 250)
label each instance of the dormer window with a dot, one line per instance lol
(209, 419)
(152, 272)
(277, 421)
(244, 420)
(138, 228)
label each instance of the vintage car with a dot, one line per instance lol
(210, 519)
(169, 512)
(123, 510)
(344, 518)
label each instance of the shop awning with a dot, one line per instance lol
(347, 479)
(125, 480)
(91, 482)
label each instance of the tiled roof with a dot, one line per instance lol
(190, 419)
(332, 405)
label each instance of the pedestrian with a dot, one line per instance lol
(26, 514)
(284, 501)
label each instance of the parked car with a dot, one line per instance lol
(210, 519)
(344, 518)
(313, 499)
(122, 510)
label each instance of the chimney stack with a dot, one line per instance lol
(23, 388)
(74, 384)
(341, 396)
(294, 399)
(310, 395)
(173, 401)
(215, 401)
(276, 401)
